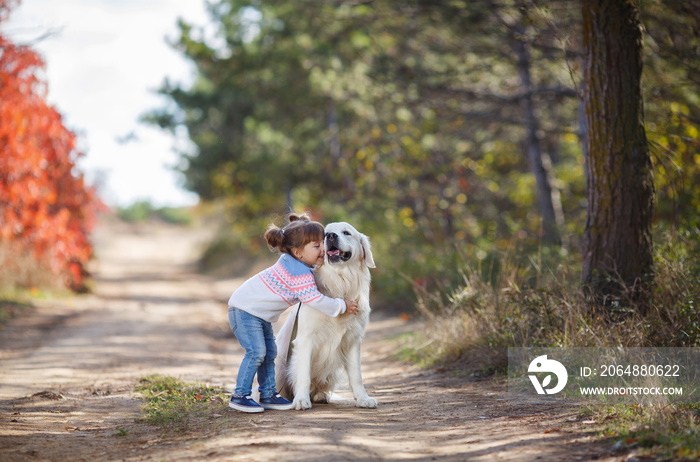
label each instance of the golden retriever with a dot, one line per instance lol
(323, 347)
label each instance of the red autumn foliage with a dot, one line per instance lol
(45, 205)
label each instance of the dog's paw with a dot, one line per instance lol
(301, 403)
(367, 402)
(321, 398)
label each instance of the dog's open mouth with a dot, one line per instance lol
(335, 254)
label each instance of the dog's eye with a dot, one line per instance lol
(347, 233)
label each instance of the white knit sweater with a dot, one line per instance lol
(269, 293)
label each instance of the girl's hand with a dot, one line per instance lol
(351, 307)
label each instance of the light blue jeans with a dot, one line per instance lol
(258, 339)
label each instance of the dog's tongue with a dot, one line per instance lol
(333, 252)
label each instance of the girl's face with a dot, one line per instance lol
(311, 253)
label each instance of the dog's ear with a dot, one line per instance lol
(369, 259)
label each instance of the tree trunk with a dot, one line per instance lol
(548, 197)
(617, 241)
(335, 151)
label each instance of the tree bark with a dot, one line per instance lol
(617, 241)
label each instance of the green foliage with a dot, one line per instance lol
(176, 405)
(141, 211)
(672, 108)
(375, 113)
(175, 215)
(406, 118)
(137, 212)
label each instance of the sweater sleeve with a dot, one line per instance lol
(333, 307)
(307, 292)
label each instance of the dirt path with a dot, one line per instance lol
(68, 373)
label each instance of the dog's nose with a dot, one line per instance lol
(331, 236)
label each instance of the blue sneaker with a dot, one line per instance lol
(244, 404)
(276, 402)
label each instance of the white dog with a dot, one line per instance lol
(324, 346)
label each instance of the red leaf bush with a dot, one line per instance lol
(46, 209)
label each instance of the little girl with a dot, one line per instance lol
(260, 301)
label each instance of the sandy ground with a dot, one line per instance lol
(69, 368)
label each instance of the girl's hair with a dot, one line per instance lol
(299, 232)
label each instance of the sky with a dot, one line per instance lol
(105, 59)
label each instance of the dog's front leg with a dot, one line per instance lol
(301, 373)
(352, 367)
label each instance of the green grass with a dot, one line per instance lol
(6, 312)
(667, 433)
(10, 307)
(173, 404)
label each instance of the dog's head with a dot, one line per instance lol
(345, 244)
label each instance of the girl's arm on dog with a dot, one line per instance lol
(310, 295)
(333, 307)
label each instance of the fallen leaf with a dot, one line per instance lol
(198, 397)
(551, 430)
(68, 427)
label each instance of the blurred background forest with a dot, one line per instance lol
(450, 132)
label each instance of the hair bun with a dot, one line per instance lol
(298, 217)
(274, 237)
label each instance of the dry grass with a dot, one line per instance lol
(19, 268)
(536, 301)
